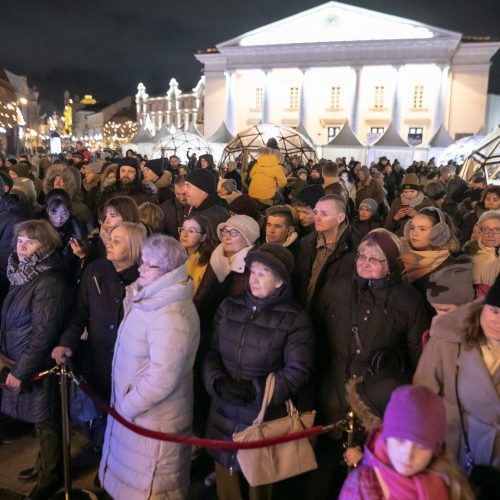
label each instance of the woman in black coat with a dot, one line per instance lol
(255, 334)
(32, 317)
(98, 307)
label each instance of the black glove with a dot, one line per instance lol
(234, 390)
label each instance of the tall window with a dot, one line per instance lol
(415, 135)
(378, 101)
(418, 97)
(258, 99)
(332, 132)
(293, 100)
(335, 98)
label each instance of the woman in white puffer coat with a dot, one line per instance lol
(153, 379)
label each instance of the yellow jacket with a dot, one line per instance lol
(266, 177)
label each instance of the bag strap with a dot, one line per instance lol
(266, 399)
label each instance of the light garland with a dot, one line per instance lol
(8, 115)
(121, 132)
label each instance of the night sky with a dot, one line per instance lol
(106, 47)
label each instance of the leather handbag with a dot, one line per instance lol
(274, 463)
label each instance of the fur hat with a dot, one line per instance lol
(370, 204)
(275, 257)
(247, 226)
(155, 166)
(417, 414)
(94, 167)
(451, 285)
(203, 179)
(410, 181)
(435, 190)
(245, 205)
(311, 194)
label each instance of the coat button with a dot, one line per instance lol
(358, 351)
(365, 318)
(111, 327)
(368, 311)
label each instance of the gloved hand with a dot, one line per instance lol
(234, 390)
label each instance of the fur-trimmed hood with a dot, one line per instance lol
(71, 184)
(104, 175)
(361, 410)
(164, 181)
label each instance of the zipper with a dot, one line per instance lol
(243, 337)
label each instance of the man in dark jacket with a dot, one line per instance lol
(202, 197)
(129, 183)
(162, 179)
(328, 251)
(175, 210)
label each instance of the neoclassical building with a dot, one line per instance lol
(175, 107)
(336, 63)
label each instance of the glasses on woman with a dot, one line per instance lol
(231, 232)
(140, 263)
(190, 230)
(488, 230)
(371, 260)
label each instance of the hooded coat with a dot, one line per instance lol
(267, 175)
(252, 338)
(153, 388)
(448, 366)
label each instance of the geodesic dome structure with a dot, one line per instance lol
(460, 150)
(180, 143)
(250, 140)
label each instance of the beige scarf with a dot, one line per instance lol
(223, 265)
(418, 263)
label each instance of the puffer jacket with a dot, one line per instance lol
(252, 338)
(389, 314)
(98, 307)
(32, 317)
(446, 362)
(266, 176)
(152, 387)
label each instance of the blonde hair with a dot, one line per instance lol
(152, 215)
(136, 234)
(457, 484)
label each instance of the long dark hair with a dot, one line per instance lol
(211, 241)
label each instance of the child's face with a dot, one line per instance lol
(407, 457)
(302, 176)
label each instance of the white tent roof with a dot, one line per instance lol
(345, 138)
(142, 135)
(162, 133)
(390, 139)
(222, 135)
(302, 130)
(441, 139)
(193, 129)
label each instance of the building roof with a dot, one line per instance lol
(441, 139)
(390, 139)
(222, 135)
(345, 138)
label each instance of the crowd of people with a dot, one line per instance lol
(175, 290)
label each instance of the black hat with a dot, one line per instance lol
(245, 205)
(155, 166)
(12, 161)
(475, 194)
(275, 257)
(128, 162)
(202, 179)
(77, 154)
(311, 194)
(493, 295)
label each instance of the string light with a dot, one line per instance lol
(119, 131)
(8, 115)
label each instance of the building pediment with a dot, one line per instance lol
(335, 22)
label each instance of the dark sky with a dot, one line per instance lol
(106, 47)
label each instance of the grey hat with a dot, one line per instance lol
(370, 204)
(451, 285)
(435, 190)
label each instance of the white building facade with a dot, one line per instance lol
(175, 107)
(337, 63)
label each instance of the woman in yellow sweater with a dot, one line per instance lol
(267, 176)
(197, 237)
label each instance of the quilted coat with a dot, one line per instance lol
(153, 388)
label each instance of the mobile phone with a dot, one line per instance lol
(404, 207)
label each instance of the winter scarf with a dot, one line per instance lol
(421, 486)
(20, 273)
(418, 263)
(413, 202)
(223, 265)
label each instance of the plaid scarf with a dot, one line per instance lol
(27, 270)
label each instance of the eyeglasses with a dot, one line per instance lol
(231, 232)
(487, 230)
(371, 260)
(140, 263)
(189, 231)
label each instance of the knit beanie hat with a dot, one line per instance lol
(370, 204)
(94, 167)
(417, 414)
(21, 169)
(247, 226)
(230, 185)
(155, 166)
(384, 240)
(493, 296)
(245, 205)
(476, 194)
(275, 257)
(451, 285)
(301, 171)
(435, 190)
(128, 162)
(410, 181)
(203, 179)
(311, 194)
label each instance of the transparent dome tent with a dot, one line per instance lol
(290, 141)
(460, 150)
(181, 144)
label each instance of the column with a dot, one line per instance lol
(396, 103)
(303, 99)
(355, 100)
(195, 115)
(169, 111)
(265, 97)
(230, 84)
(186, 119)
(440, 99)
